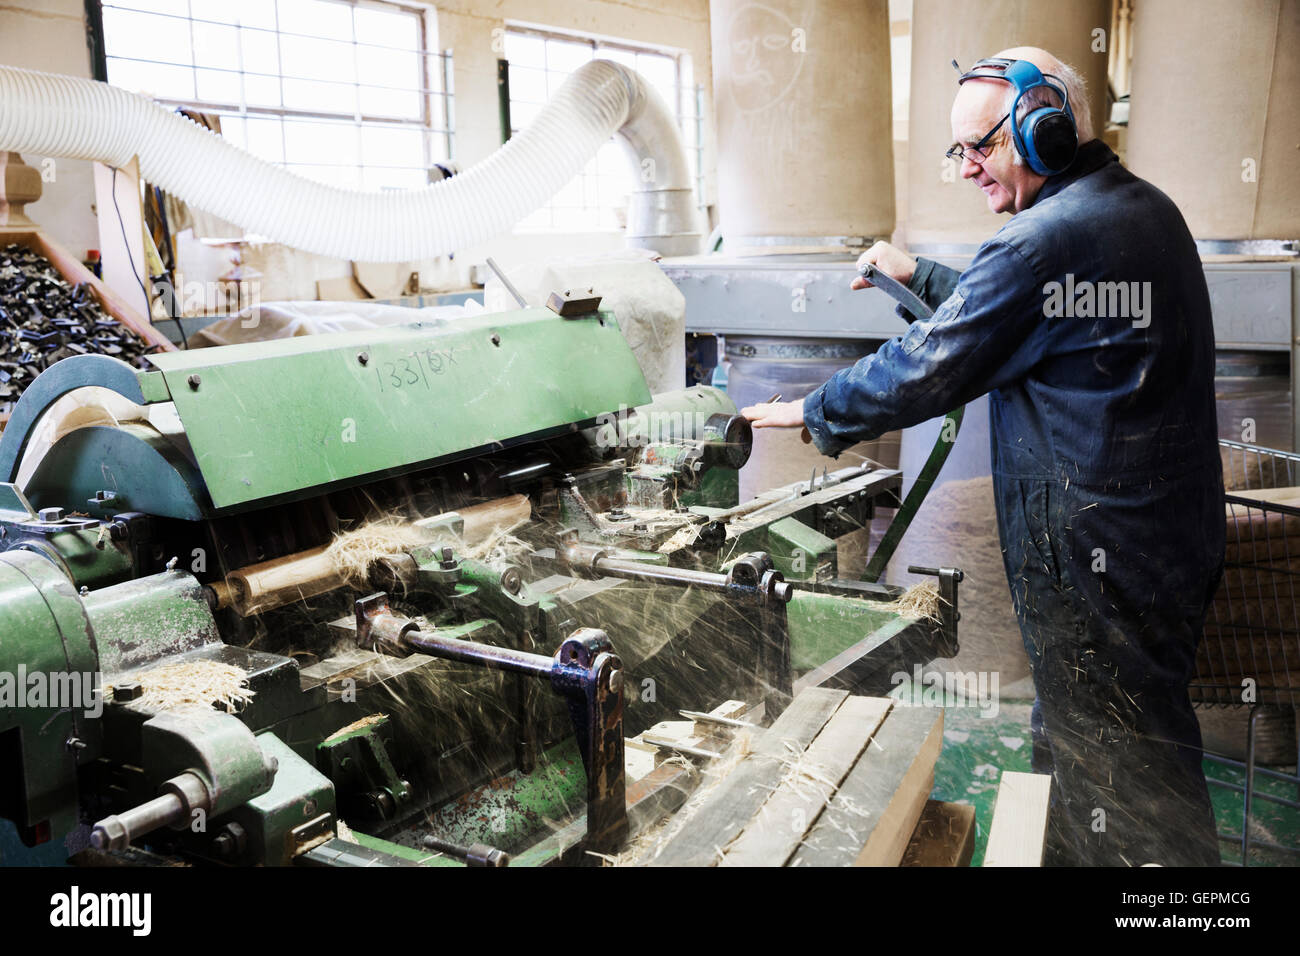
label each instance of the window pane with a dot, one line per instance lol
(390, 103)
(389, 68)
(251, 13)
(299, 57)
(154, 79)
(522, 115)
(216, 46)
(565, 56)
(146, 37)
(266, 139)
(317, 59)
(233, 130)
(524, 50)
(626, 57)
(309, 143)
(392, 147)
(527, 85)
(316, 18)
(379, 177)
(222, 11)
(347, 176)
(661, 72)
(320, 97)
(178, 8)
(395, 29)
(217, 86)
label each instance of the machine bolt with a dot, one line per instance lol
(511, 580)
(74, 744)
(363, 357)
(380, 803)
(50, 515)
(230, 842)
(496, 339)
(128, 690)
(84, 590)
(194, 381)
(446, 559)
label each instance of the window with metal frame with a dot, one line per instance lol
(596, 199)
(348, 92)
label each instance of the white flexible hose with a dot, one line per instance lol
(69, 117)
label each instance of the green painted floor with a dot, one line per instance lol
(977, 748)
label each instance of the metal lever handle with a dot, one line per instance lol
(895, 290)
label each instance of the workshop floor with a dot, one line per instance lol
(977, 748)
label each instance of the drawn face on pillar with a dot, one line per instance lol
(763, 63)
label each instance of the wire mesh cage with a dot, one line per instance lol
(1251, 648)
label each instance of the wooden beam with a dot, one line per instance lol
(944, 836)
(871, 817)
(702, 839)
(773, 835)
(1019, 827)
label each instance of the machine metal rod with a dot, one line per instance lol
(510, 286)
(468, 652)
(666, 744)
(714, 719)
(479, 854)
(117, 831)
(640, 571)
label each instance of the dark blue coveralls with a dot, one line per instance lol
(1104, 456)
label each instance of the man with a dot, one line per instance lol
(1086, 319)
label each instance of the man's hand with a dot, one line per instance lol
(893, 262)
(777, 415)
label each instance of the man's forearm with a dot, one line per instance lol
(933, 282)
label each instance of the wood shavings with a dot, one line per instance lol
(498, 549)
(920, 601)
(189, 683)
(681, 538)
(344, 832)
(353, 552)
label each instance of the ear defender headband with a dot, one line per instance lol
(1047, 138)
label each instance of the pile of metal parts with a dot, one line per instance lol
(460, 700)
(44, 319)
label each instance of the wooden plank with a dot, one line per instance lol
(944, 836)
(872, 815)
(773, 835)
(1019, 827)
(121, 233)
(737, 798)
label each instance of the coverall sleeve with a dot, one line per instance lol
(988, 332)
(933, 282)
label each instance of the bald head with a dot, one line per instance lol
(1068, 77)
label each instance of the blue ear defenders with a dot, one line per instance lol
(1047, 138)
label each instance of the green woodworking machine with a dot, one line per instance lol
(436, 692)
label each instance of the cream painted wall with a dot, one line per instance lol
(51, 35)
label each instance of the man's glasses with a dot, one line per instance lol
(977, 153)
